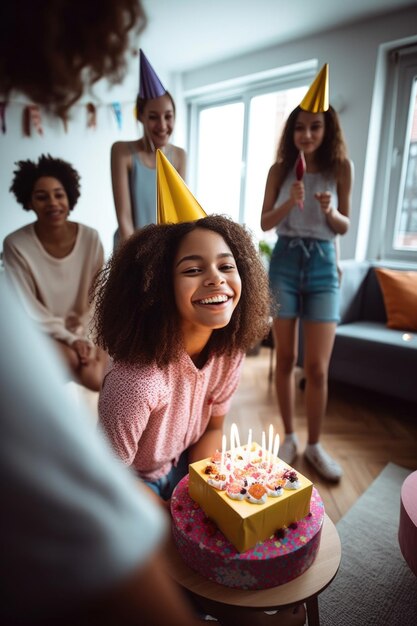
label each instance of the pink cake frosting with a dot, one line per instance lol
(279, 559)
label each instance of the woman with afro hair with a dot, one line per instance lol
(177, 307)
(53, 262)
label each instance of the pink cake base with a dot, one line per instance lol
(273, 562)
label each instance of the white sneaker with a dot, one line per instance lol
(288, 451)
(323, 463)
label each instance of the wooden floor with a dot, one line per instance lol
(362, 430)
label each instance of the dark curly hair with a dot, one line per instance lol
(331, 153)
(28, 172)
(136, 319)
(51, 49)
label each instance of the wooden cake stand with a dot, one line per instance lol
(303, 589)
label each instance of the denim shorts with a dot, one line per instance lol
(164, 486)
(304, 280)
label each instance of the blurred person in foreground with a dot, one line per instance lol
(79, 544)
(52, 51)
(81, 540)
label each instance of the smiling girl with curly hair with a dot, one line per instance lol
(177, 308)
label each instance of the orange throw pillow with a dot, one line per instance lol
(399, 289)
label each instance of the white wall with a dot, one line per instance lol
(352, 53)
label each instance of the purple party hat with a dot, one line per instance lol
(150, 86)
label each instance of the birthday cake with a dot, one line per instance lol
(246, 519)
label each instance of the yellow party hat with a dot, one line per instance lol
(316, 99)
(175, 202)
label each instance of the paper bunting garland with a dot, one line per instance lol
(64, 119)
(91, 115)
(117, 110)
(3, 106)
(32, 117)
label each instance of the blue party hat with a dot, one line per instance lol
(150, 86)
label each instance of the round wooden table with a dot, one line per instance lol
(304, 589)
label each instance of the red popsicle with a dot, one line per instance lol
(300, 168)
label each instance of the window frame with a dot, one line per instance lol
(242, 89)
(194, 151)
(401, 77)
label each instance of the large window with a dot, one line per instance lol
(396, 207)
(267, 116)
(219, 157)
(405, 230)
(233, 143)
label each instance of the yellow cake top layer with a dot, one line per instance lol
(242, 522)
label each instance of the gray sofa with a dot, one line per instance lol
(366, 353)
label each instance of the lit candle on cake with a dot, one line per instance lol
(263, 446)
(237, 438)
(270, 436)
(234, 439)
(249, 446)
(276, 449)
(223, 454)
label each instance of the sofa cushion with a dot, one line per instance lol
(352, 289)
(399, 290)
(378, 333)
(372, 356)
(372, 308)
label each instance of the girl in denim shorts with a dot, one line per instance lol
(307, 214)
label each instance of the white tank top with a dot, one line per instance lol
(310, 221)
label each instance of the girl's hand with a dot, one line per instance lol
(297, 192)
(324, 199)
(83, 350)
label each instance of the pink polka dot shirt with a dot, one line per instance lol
(151, 415)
